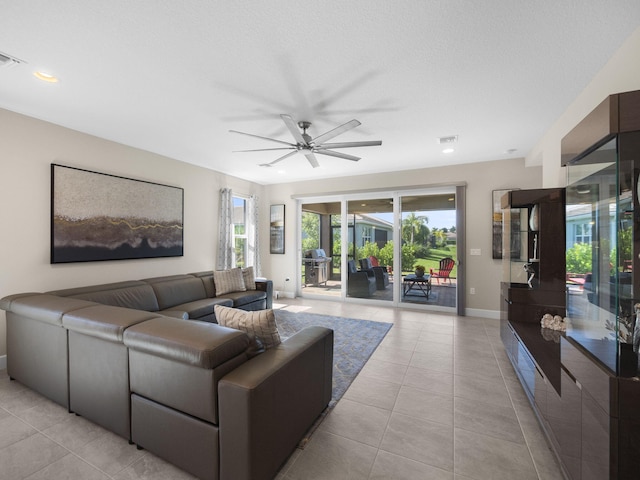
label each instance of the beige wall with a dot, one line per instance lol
(483, 273)
(29, 146)
(620, 74)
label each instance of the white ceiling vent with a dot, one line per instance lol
(447, 140)
(7, 61)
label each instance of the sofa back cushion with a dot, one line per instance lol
(177, 291)
(134, 294)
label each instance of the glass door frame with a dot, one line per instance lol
(396, 194)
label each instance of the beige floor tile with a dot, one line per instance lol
(420, 440)
(44, 414)
(74, 433)
(150, 467)
(443, 349)
(488, 419)
(430, 361)
(482, 389)
(435, 382)
(332, 457)
(13, 430)
(28, 456)
(389, 466)
(385, 371)
(69, 467)
(392, 354)
(110, 453)
(374, 392)
(484, 457)
(425, 404)
(356, 421)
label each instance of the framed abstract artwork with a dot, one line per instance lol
(97, 216)
(276, 229)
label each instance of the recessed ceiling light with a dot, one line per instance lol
(45, 77)
(511, 151)
(448, 150)
(282, 172)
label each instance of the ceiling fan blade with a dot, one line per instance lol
(373, 143)
(312, 159)
(271, 164)
(331, 153)
(336, 131)
(263, 138)
(264, 149)
(293, 128)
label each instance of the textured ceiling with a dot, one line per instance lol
(173, 77)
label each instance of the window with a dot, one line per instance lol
(366, 235)
(240, 232)
(582, 233)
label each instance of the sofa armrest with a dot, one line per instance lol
(266, 286)
(175, 314)
(267, 404)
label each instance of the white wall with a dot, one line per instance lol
(620, 74)
(483, 273)
(29, 146)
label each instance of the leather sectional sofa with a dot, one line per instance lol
(136, 358)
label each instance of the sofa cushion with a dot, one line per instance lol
(261, 323)
(228, 281)
(134, 294)
(201, 308)
(242, 299)
(104, 321)
(178, 291)
(200, 344)
(249, 278)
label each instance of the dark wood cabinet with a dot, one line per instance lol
(584, 384)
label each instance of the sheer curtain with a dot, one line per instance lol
(225, 245)
(253, 241)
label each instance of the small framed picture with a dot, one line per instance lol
(276, 229)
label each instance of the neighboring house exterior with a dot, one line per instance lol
(369, 229)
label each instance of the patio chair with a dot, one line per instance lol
(444, 272)
(380, 273)
(359, 283)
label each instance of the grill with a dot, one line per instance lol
(316, 267)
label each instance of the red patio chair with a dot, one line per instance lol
(444, 272)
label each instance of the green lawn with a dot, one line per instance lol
(435, 255)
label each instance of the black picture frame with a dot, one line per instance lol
(97, 216)
(276, 229)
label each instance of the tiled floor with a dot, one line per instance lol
(437, 400)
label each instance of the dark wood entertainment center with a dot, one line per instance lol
(584, 385)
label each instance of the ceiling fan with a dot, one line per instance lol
(310, 146)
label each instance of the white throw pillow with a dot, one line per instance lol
(227, 281)
(261, 323)
(249, 278)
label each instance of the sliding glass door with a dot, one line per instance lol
(369, 247)
(429, 249)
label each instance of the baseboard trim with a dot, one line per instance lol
(3, 362)
(478, 312)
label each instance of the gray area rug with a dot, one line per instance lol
(353, 342)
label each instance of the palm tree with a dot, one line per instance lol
(414, 223)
